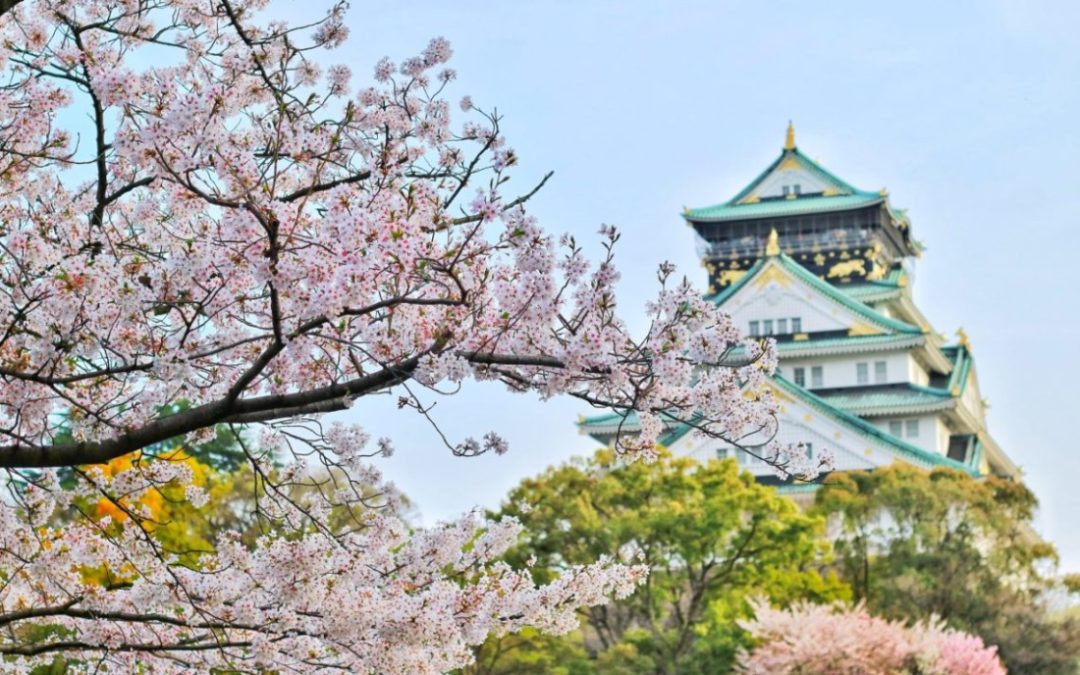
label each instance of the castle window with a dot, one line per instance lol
(817, 377)
(904, 428)
(881, 372)
(796, 325)
(755, 329)
(798, 189)
(787, 190)
(911, 428)
(768, 326)
(862, 373)
(958, 446)
(747, 457)
(809, 450)
(800, 377)
(781, 326)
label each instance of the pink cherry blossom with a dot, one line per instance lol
(234, 231)
(838, 639)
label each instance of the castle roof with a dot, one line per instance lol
(794, 269)
(906, 398)
(876, 290)
(793, 184)
(604, 427)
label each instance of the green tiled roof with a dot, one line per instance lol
(909, 398)
(879, 289)
(962, 362)
(804, 162)
(769, 208)
(868, 429)
(844, 196)
(870, 293)
(848, 344)
(607, 424)
(823, 287)
(602, 425)
(611, 420)
(845, 344)
(980, 450)
(797, 488)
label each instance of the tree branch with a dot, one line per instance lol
(259, 408)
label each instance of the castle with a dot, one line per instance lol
(826, 270)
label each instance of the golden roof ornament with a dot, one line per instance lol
(772, 247)
(789, 142)
(964, 342)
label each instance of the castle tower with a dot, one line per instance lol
(824, 269)
(834, 230)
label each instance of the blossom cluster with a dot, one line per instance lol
(834, 638)
(237, 229)
(255, 230)
(377, 598)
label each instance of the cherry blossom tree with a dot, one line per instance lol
(198, 218)
(837, 639)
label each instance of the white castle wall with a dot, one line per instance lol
(842, 371)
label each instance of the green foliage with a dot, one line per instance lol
(913, 544)
(712, 537)
(223, 453)
(60, 664)
(531, 652)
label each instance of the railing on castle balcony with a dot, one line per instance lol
(753, 246)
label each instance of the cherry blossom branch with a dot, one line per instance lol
(262, 243)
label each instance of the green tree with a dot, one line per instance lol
(913, 544)
(712, 537)
(531, 652)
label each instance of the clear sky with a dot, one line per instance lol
(969, 112)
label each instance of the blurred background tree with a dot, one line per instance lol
(713, 538)
(914, 544)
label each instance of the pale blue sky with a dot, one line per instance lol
(967, 111)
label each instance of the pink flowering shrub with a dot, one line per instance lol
(835, 639)
(194, 211)
(962, 654)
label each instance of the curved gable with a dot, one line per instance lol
(779, 286)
